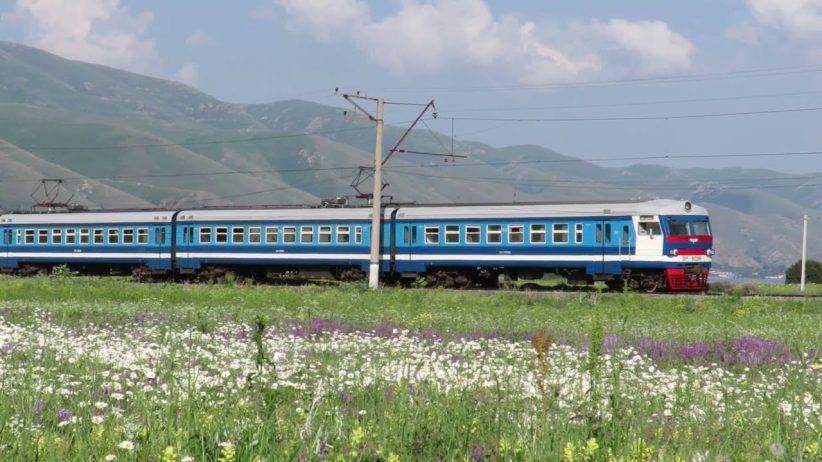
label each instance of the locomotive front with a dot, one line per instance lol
(688, 246)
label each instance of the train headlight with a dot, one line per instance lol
(673, 252)
(687, 206)
(710, 252)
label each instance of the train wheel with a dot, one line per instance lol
(649, 284)
(463, 281)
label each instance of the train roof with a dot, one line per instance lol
(296, 214)
(142, 216)
(444, 211)
(653, 207)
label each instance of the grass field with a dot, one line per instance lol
(102, 369)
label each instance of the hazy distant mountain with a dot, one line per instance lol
(124, 140)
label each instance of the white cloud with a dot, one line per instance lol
(98, 31)
(326, 19)
(197, 39)
(800, 18)
(430, 36)
(189, 73)
(654, 45)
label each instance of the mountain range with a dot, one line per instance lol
(122, 140)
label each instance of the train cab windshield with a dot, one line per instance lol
(689, 228)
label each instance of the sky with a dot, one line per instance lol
(703, 82)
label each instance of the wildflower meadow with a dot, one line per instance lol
(103, 369)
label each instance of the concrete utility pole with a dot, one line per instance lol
(804, 251)
(376, 205)
(376, 196)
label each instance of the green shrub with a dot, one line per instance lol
(813, 272)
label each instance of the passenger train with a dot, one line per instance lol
(651, 245)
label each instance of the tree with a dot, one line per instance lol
(813, 272)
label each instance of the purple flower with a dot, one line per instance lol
(476, 454)
(39, 405)
(64, 415)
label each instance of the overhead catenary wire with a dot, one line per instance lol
(642, 103)
(433, 165)
(262, 191)
(598, 186)
(684, 78)
(632, 118)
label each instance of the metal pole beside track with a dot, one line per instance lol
(804, 251)
(376, 206)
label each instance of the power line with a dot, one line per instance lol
(474, 119)
(609, 159)
(594, 185)
(180, 175)
(749, 73)
(180, 144)
(646, 103)
(450, 165)
(263, 191)
(630, 118)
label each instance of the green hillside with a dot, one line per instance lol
(124, 140)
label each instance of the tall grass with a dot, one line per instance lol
(102, 369)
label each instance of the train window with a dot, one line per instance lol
(626, 235)
(128, 236)
(57, 236)
(237, 235)
(42, 236)
(578, 233)
(306, 234)
(607, 233)
(254, 234)
(560, 233)
(113, 236)
(271, 233)
(678, 228)
(452, 234)
(343, 236)
(324, 235)
(19, 237)
(432, 234)
(537, 234)
(70, 236)
(221, 234)
(142, 235)
(406, 234)
(701, 228)
(413, 234)
(29, 233)
(205, 235)
(649, 228)
(98, 236)
(160, 235)
(358, 234)
(493, 234)
(472, 234)
(599, 233)
(289, 234)
(516, 234)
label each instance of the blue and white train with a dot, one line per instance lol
(658, 244)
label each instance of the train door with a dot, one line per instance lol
(600, 244)
(5, 242)
(185, 241)
(649, 239)
(400, 235)
(159, 245)
(406, 234)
